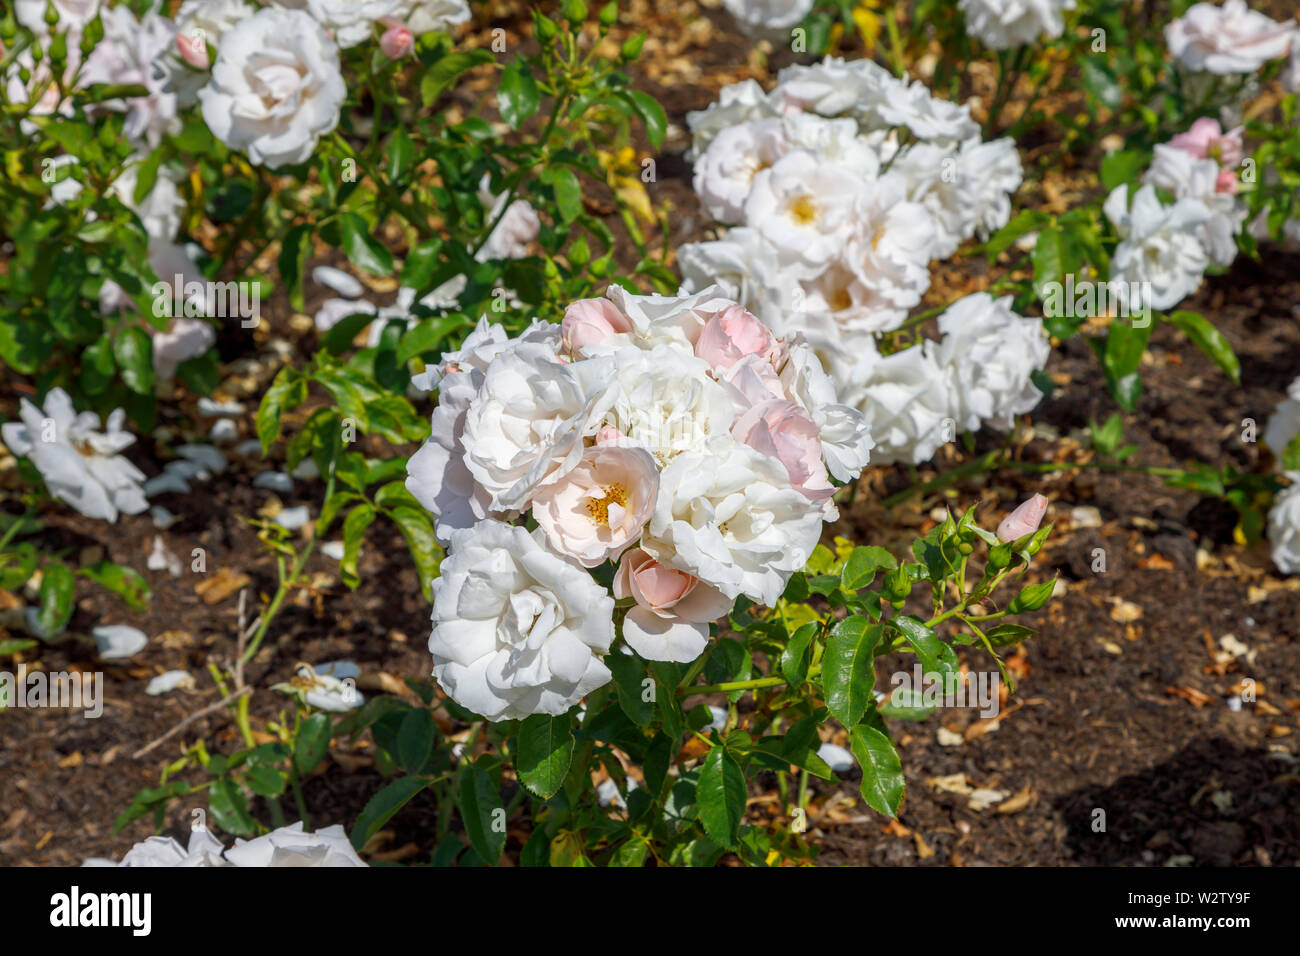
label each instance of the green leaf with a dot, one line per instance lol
(1121, 358)
(444, 73)
(338, 337)
(721, 794)
(651, 113)
(1032, 597)
(229, 807)
(936, 657)
(1210, 341)
(861, 567)
(1122, 167)
(286, 387)
(517, 98)
(354, 533)
(568, 192)
(126, 583)
(57, 589)
(293, 260)
(1025, 222)
(417, 529)
(312, 743)
(795, 657)
(1008, 635)
(479, 801)
(363, 249)
(12, 645)
(415, 739)
(401, 152)
(383, 806)
(545, 752)
(882, 771)
(848, 674)
(1049, 256)
(629, 673)
(265, 781)
(133, 350)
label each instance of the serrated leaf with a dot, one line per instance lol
(721, 795)
(848, 674)
(545, 752)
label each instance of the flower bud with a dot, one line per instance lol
(193, 49)
(1024, 520)
(397, 41)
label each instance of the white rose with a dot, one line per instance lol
(518, 227)
(436, 474)
(1284, 425)
(989, 354)
(1187, 177)
(724, 173)
(835, 87)
(846, 439)
(290, 846)
(126, 55)
(429, 16)
(1159, 246)
(889, 248)
(905, 401)
(517, 629)
(1291, 74)
(525, 427)
(73, 15)
(765, 17)
(159, 851)
(1227, 39)
(929, 118)
(729, 516)
(804, 207)
(993, 172)
(675, 320)
(1002, 24)
(745, 267)
(160, 211)
(1284, 527)
(276, 87)
(80, 464)
(665, 402)
(350, 21)
(736, 104)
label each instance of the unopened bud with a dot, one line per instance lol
(397, 41)
(193, 50)
(1024, 520)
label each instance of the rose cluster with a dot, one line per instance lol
(841, 185)
(673, 446)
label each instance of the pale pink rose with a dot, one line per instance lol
(609, 435)
(1206, 140)
(673, 609)
(598, 509)
(590, 322)
(1227, 182)
(1024, 520)
(193, 49)
(782, 430)
(396, 41)
(732, 334)
(752, 381)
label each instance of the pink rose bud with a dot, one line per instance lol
(1227, 182)
(193, 49)
(1198, 138)
(732, 334)
(1024, 520)
(591, 321)
(608, 435)
(396, 41)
